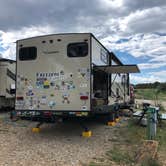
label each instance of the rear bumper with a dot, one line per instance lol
(44, 115)
(36, 113)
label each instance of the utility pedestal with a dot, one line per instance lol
(151, 123)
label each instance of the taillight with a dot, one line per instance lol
(84, 97)
(47, 113)
(20, 98)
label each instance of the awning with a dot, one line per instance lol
(119, 69)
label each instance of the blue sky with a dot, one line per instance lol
(133, 30)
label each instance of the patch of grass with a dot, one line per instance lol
(133, 133)
(162, 109)
(161, 136)
(149, 94)
(93, 164)
(131, 137)
(119, 156)
(136, 133)
(151, 162)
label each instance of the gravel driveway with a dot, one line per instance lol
(57, 144)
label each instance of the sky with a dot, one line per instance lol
(133, 29)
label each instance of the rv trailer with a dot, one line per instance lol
(7, 84)
(69, 75)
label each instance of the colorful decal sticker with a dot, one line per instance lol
(30, 87)
(45, 75)
(52, 104)
(52, 83)
(56, 80)
(43, 100)
(52, 95)
(65, 97)
(31, 108)
(84, 108)
(46, 84)
(83, 85)
(57, 87)
(29, 93)
(84, 73)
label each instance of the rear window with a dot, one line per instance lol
(77, 49)
(27, 53)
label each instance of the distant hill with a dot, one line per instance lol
(155, 85)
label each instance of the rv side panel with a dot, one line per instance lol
(7, 83)
(3, 78)
(99, 53)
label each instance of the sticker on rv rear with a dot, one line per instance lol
(65, 98)
(83, 85)
(46, 84)
(84, 108)
(84, 73)
(52, 104)
(52, 83)
(31, 108)
(30, 87)
(57, 87)
(43, 100)
(29, 93)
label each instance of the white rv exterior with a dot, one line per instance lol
(60, 73)
(7, 83)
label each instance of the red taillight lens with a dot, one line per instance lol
(84, 97)
(47, 113)
(20, 98)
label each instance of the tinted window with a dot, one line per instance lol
(27, 53)
(77, 49)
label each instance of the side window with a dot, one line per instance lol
(27, 53)
(77, 49)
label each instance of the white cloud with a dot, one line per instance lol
(146, 79)
(151, 65)
(151, 45)
(144, 21)
(122, 25)
(111, 3)
(149, 77)
(8, 39)
(161, 74)
(161, 58)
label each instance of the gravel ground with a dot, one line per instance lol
(57, 144)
